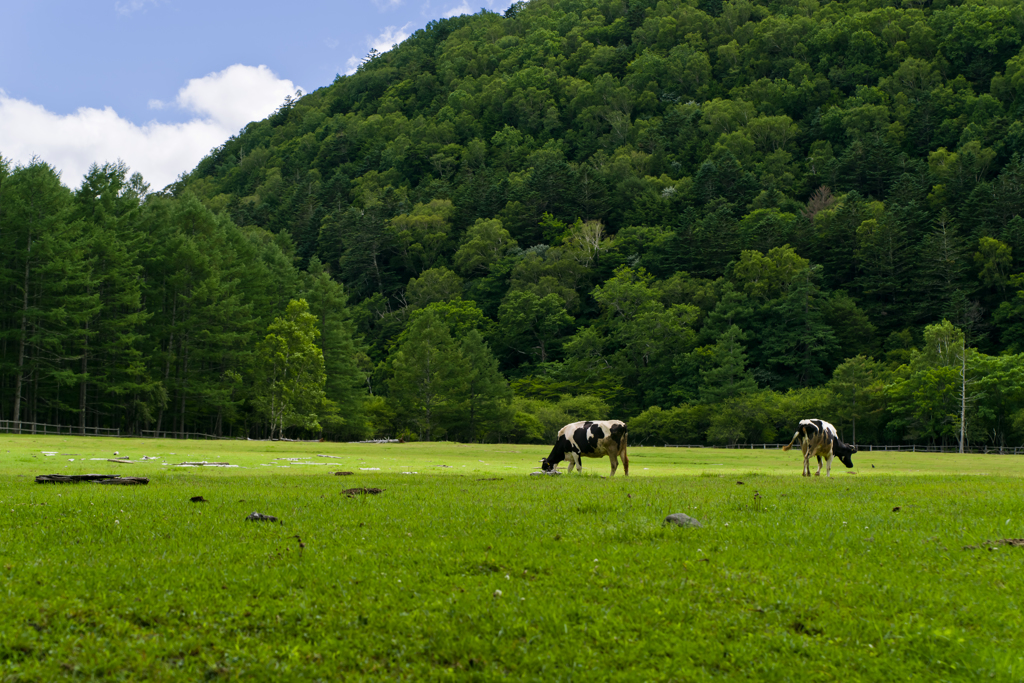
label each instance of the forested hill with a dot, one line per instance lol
(706, 216)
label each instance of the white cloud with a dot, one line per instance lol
(235, 96)
(352, 64)
(223, 103)
(459, 10)
(387, 4)
(132, 6)
(388, 38)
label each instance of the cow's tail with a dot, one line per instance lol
(789, 445)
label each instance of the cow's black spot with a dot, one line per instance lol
(596, 433)
(580, 437)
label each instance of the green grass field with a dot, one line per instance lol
(470, 569)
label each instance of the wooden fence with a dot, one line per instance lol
(171, 434)
(868, 448)
(22, 427)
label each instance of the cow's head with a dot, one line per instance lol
(557, 454)
(844, 452)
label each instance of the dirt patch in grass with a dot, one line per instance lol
(361, 490)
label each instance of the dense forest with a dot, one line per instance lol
(706, 217)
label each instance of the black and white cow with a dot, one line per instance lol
(591, 440)
(819, 438)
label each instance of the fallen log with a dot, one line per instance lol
(92, 478)
(123, 481)
(72, 478)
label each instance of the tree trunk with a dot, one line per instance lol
(19, 378)
(82, 388)
(167, 365)
(184, 381)
(963, 394)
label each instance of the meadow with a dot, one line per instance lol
(466, 567)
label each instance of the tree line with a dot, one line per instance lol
(667, 211)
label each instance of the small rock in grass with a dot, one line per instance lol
(257, 517)
(679, 519)
(497, 593)
(343, 474)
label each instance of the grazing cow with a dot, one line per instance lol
(590, 439)
(819, 438)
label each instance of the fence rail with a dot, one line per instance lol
(868, 448)
(22, 427)
(169, 434)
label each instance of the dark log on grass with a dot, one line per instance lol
(72, 478)
(93, 478)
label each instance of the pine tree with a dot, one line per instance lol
(426, 367)
(40, 249)
(729, 377)
(111, 365)
(942, 268)
(856, 383)
(341, 351)
(485, 393)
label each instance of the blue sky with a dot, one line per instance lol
(158, 83)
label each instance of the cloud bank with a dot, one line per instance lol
(222, 102)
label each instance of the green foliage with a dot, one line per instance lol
(289, 376)
(426, 372)
(538, 420)
(613, 196)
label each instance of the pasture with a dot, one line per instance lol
(466, 567)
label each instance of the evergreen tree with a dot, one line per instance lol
(729, 377)
(485, 393)
(942, 267)
(41, 248)
(341, 351)
(857, 383)
(112, 365)
(426, 374)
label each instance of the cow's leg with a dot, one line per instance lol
(615, 462)
(818, 473)
(828, 464)
(625, 455)
(807, 462)
(572, 463)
